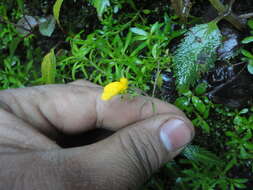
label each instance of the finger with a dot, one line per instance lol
(131, 155)
(84, 83)
(77, 107)
(123, 161)
(18, 136)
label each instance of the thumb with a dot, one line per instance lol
(126, 159)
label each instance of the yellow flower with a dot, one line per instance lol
(114, 88)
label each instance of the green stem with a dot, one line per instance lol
(232, 18)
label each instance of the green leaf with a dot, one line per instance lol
(250, 68)
(21, 5)
(196, 54)
(229, 165)
(127, 41)
(244, 111)
(250, 24)
(200, 122)
(56, 10)
(138, 49)
(48, 68)
(247, 53)
(155, 27)
(146, 11)
(249, 146)
(154, 51)
(198, 104)
(240, 121)
(101, 6)
(47, 28)
(139, 31)
(240, 180)
(240, 186)
(201, 155)
(13, 45)
(247, 40)
(183, 103)
(201, 88)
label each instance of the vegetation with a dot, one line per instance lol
(155, 46)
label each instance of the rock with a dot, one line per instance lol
(230, 44)
(230, 87)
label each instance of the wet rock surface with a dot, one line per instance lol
(231, 86)
(230, 44)
(166, 89)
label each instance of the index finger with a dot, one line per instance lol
(77, 107)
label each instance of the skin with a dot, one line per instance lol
(33, 120)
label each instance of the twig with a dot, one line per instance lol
(156, 78)
(231, 17)
(210, 94)
(247, 15)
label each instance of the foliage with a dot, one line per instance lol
(101, 6)
(14, 72)
(132, 44)
(196, 54)
(48, 68)
(56, 10)
(47, 27)
(240, 138)
(122, 50)
(248, 55)
(197, 107)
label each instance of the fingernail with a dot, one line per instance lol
(175, 134)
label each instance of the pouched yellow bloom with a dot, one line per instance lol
(114, 88)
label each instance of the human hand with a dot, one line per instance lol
(32, 119)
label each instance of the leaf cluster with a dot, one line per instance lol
(131, 50)
(249, 55)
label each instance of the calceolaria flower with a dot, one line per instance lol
(114, 88)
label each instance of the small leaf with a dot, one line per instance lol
(101, 6)
(56, 10)
(128, 40)
(247, 53)
(250, 68)
(21, 5)
(138, 49)
(13, 45)
(230, 165)
(201, 155)
(250, 24)
(183, 103)
(247, 40)
(154, 51)
(249, 146)
(154, 28)
(146, 11)
(47, 28)
(240, 180)
(201, 88)
(48, 68)
(196, 54)
(243, 111)
(200, 122)
(240, 121)
(139, 31)
(198, 104)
